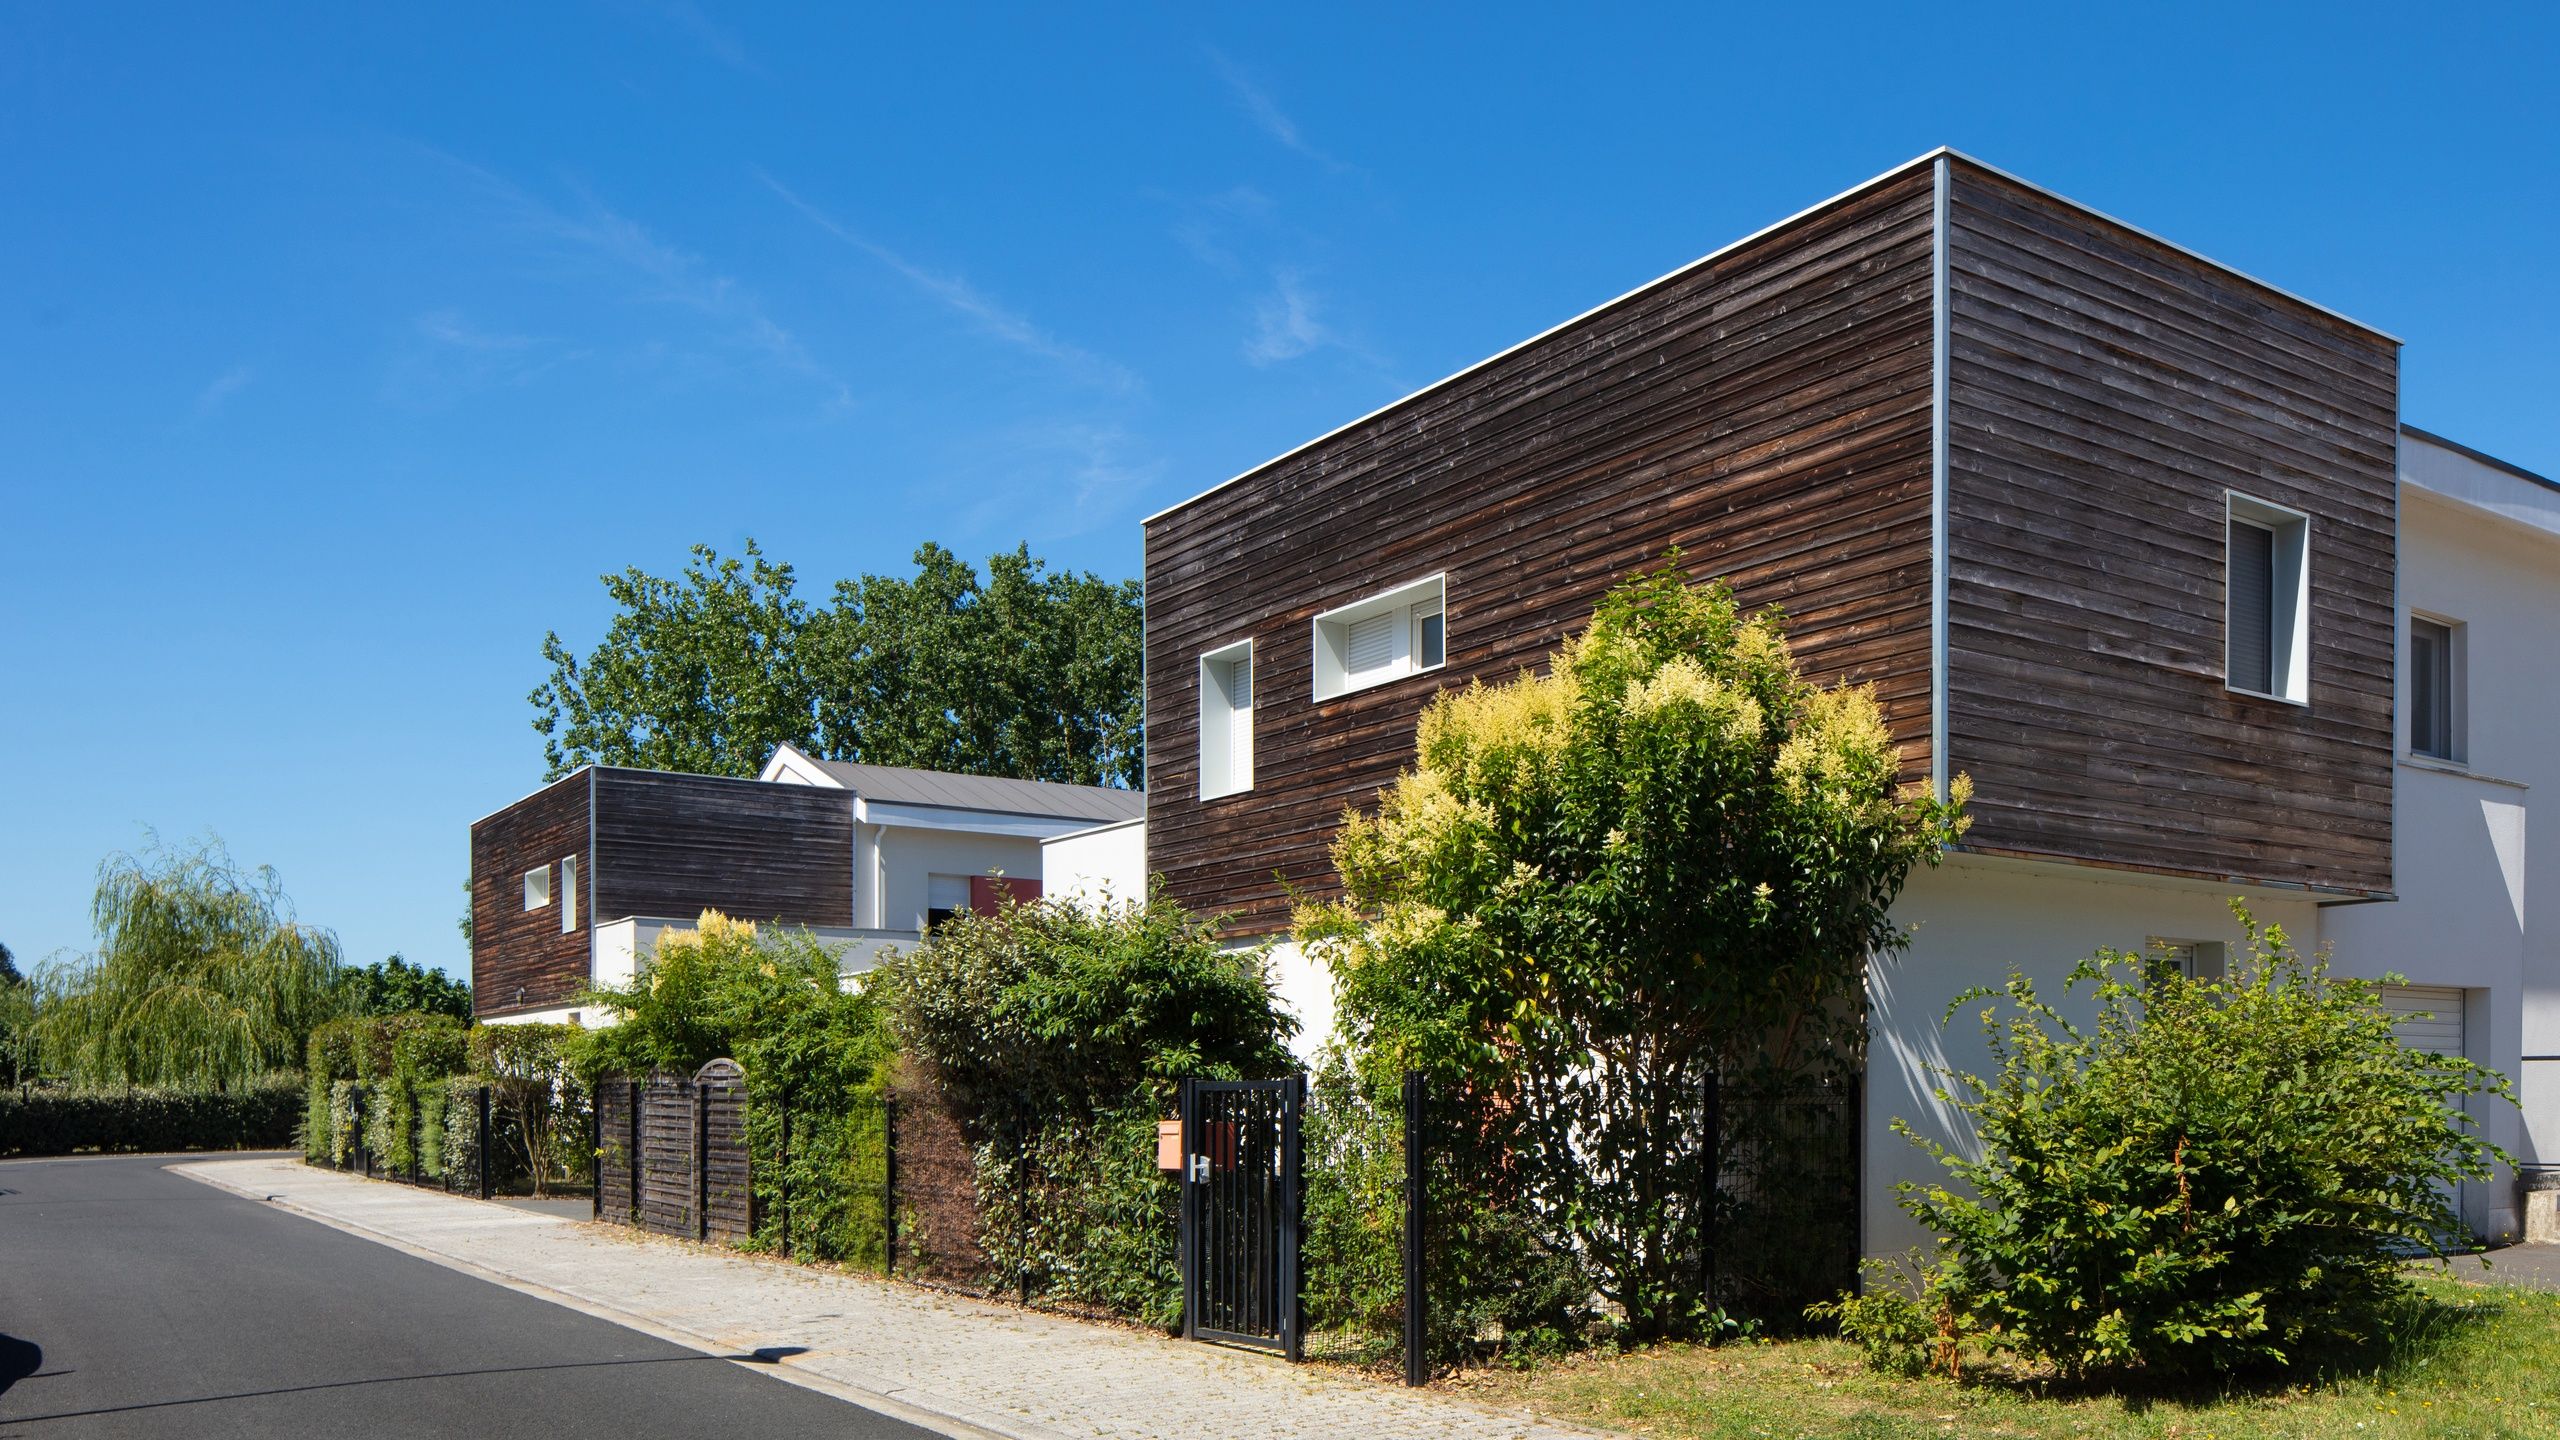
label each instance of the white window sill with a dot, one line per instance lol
(2263, 695)
(2412, 761)
(1209, 795)
(1381, 682)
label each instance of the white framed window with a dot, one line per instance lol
(1386, 637)
(2194, 959)
(537, 888)
(2436, 684)
(568, 893)
(1226, 721)
(2266, 600)
(944, 897)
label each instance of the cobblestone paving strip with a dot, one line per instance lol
(961, 1365)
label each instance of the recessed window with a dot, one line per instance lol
(2194, 959)
(2267, 600)
(1385, 637)
(537, 888)
(1226, 721)
(568, 893)
(2435, 688)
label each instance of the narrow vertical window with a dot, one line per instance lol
(1226, 721)
(2435, 689)
(2266, 600)
(568, 893)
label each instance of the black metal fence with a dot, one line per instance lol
(467, 1140)
(1420, 1250)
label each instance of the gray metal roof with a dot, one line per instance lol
(898, 785)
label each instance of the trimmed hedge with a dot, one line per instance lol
(67, 1122)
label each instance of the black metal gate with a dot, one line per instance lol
(1240, 1192)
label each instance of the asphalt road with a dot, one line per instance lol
(138, 1302)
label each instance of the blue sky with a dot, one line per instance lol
(343, 349)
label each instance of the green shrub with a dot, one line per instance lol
(539, 1113)
(1068, 1008)
(1059, 1032)
(64, 1122)
(770, 999)
(2216, 1176)
(1906, 1317)
(1079, 1213)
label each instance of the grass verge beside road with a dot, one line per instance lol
(2477, 1361)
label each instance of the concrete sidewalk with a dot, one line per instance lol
(951, 1364)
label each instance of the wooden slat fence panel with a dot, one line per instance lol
(694, 1176)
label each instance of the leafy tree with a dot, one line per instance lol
(17, 1022)
(9, 968)
(1020, 672)
(202, 977)
(1670, 859)
(2215, 1176)
(395, 987)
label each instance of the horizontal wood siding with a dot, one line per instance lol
(2104, 392)
(514, 949)
(1767, 411)
(676, 845)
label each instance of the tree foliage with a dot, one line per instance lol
(202, 977)
(2213, 1176)
(1020, 671)
(1668, 859)
(393, 986)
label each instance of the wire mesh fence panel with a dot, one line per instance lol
(1787, 1227)
(1354, 1248)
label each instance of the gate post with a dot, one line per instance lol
(701, 1160)
(1293, 1112)
(889, 1184)
(1709, 1191)
(633, 1155)
(1189, 1238)
(595, 1152)
(1417, 1368)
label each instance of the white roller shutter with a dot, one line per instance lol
(2440, 1029)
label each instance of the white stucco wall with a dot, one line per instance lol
(1978, 919)
(2472, 860)
(893, 865)
(1105, 863)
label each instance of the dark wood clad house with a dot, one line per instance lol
(605, 843)
(2109, 526)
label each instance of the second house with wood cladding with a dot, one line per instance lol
(2124, 535)
(572, 885)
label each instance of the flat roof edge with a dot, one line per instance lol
(1946, 152)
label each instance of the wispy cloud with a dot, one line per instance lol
(969, 302)
(1265, 112)
(657, 271)
(707, 33)
(1051, 480)
(1284, 322)
(448, 356)
(211, 399)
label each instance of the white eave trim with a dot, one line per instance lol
(1943, 152)
(791, 766)
(969, 822)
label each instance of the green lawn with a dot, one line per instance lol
(2484, 1362)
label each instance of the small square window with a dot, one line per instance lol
(1388, 636)
(537, 888)
(2435, 689)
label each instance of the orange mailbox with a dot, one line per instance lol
(1169, 1145)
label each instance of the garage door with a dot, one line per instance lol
(2429, 1016)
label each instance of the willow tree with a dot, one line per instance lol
(1662, 864)
(202, 978)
